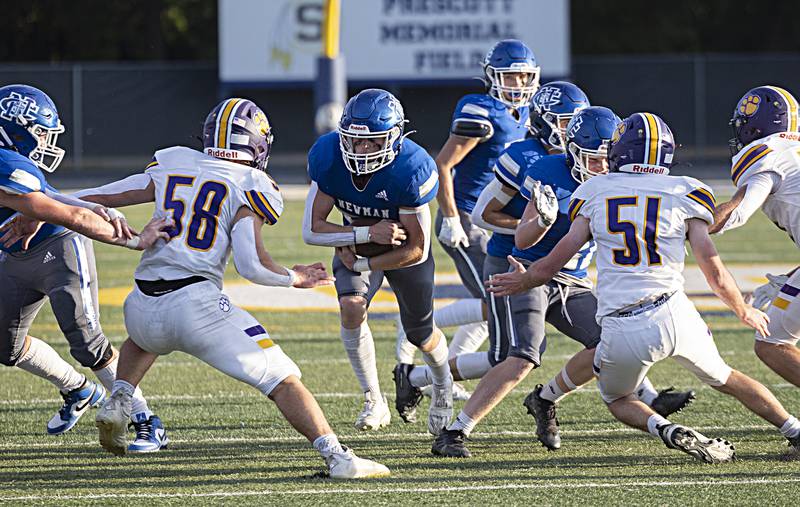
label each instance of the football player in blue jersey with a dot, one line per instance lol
(381, 183)
(566, 302)
(483, 125)
(50, 255)
(552, 107)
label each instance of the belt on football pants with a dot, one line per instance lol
(158, 288)
(639, 308)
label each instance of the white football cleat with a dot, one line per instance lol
(441, 409)
(112, 422)
(697, 445)
(346, 465)
(376, 413)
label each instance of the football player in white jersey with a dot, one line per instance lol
(640, 218)
(766, 171)
(219, 200)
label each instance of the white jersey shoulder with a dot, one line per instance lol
(638, 222)
(780, 155)
(203, 195)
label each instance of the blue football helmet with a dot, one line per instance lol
(375, 115)
(237, 130)
(29, 124)
(642, 143)
(502, 65)
(552, 107)
(588, 135)
(760, 112)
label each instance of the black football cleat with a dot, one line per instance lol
(544, 411)
(407, 397)
(450, 443)
(708, 450)
(670, 401)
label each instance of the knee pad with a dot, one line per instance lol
(279, 366)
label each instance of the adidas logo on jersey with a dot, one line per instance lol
(48, 257)
(382, 195)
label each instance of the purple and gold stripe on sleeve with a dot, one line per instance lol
(749, 158)
(152, 164)
(704, 197)
(575, 207)
(260, 204)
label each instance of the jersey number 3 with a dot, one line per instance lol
(631, 255)
(202, 226)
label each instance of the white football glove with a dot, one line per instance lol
(452, 233)
(546, 203)
(764, 294)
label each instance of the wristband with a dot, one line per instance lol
(361, 265)
(292, 277)
(361, 234)
(133, 243)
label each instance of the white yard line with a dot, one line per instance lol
(406, 490)
(378, 436)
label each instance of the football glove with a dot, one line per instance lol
(452, 233)
(764, 294)
(546, 203)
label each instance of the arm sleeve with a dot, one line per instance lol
(134, 182)
(759, 186)
(322, 238)
(493, 190)
(246, 260)
(69, 200)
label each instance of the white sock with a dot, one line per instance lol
(44, 362)
(464, 423)
(646, 392)
(420, 376)
(553, 392)
(404, 349)
(327, 445)
(654, 422)
(458, 313)
(468, 338)
(474, 365)
(125, 387)
(791, 428)
(107, 376)
(361, 350)
(436, 359)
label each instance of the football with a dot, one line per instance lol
(369, 249)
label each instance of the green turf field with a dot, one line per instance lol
(229, 444)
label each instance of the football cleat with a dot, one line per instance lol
(407, 397)
(544, 411)
(450, 444)
(441, 410)
(794, 448)
(346, 465)
(76, 402)
(376, 413)
(708, 450)
(112, 422)
(460, 393)
(670, 401)
(150, 434)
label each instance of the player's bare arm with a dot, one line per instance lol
(81, 220)
(543, 270)
(453, 152)
(318, 230)
(719, 279)
(247, 240)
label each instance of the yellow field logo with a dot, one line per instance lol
(749, 105)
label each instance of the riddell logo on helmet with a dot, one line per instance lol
(358, 128)
(216, 152)
(790, 135)
(650, 169)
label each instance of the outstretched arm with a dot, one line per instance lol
(545, 268)
(744, 203)
(488, 212)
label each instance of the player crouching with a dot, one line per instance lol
(177, 303)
